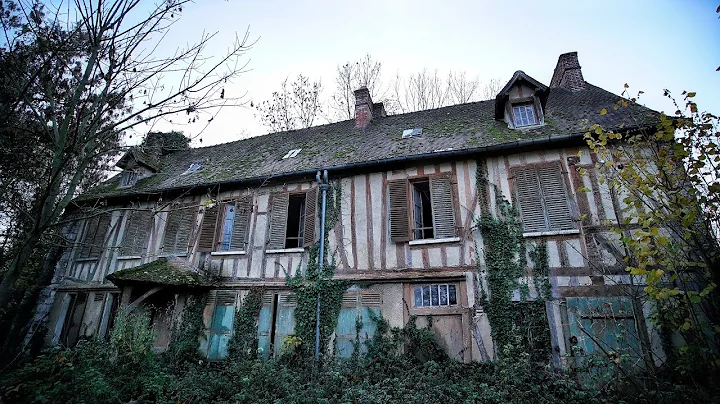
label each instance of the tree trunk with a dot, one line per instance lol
(16, 265)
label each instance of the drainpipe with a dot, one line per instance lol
(324, 185)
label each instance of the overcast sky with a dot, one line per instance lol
(650, 45)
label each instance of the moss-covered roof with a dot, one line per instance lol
(162, 271)
(470, 127)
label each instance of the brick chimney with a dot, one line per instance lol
(568, 73)
(363, 108)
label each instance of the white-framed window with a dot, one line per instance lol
(524, 115)
(435, 295)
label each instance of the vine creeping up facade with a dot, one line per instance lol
(474, 215)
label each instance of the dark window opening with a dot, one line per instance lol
(73, 320)
(295, 221)
(422, 211)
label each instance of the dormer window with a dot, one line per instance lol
(524, 115)
(128, 178)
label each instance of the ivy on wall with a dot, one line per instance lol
(312, 283)
(244, 342)
(505, 252)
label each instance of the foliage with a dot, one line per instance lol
(91, 373)
(186, 332)
(666, 192)
(505, 252)
(73, 85)
(244, 342)
(295, 106)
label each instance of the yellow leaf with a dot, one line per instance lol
(603, 111)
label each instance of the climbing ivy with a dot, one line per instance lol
(312, 283)
(244, 342)
(505, 258)
(187, 331)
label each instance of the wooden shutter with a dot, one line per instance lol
(136, 232)
(529, 198)
(94, 240)
(177, 229)
(278, 221)
(399, 212)
(206, 240)
(311, 203)
(443, 211)
(238, 241)
(555, 197)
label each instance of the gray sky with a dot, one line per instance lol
(650, 45)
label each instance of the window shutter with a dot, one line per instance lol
(206, 240)
(399, 218)
(238, 241)
(135, 235)
(177, 229)
(442, 207)
(278, 221)
(529, 197)
(94, 240)
(311, 202)
(555, 196)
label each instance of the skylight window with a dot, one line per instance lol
(407, 133)
(292, 153)
(193, 167)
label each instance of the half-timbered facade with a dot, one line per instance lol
(408, 193)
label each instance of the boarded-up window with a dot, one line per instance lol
(178, 228)
(421, 209)
(293, 220)
(359, 308)
(137, 228)
(93, 241)
(542, 198)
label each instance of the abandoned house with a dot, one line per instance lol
(405, 237)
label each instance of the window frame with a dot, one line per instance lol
(421, 288)
(525, 106)
(401, 213)
(215, 223)
(277, 237)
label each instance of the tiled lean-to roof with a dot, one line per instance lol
(455, 129)
(163, 272)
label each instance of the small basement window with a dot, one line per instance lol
(524, 115)
(422, 211)
(435, 295)
(295, 221)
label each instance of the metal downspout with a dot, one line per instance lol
(324, 184)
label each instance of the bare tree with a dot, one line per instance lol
(491, 89)
(351, 76)
(76, 90)
(295, 106)
(427, 90)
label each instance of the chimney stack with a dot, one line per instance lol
(568, 73)
(363, 108)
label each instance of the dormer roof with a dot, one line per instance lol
(541, 91)
(139, 157)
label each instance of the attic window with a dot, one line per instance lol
(128, 178)
(524, 115)
(193, 167)
(292, 153)
(407, 133)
